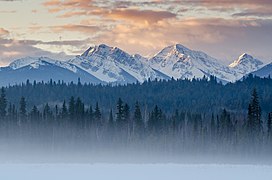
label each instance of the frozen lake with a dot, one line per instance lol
(133, 172)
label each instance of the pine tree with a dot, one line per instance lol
(47, 113)
(120, 112)
(111, 119)
(72, 108)
(79, 108)
(64, 111)
(254, 117)
(226, 126)
(3, 104)
(34, 115)
(10, 110)
(97, 113)
(22, 110)
(56, 112)
(212, 127)
(269, 126)
(90, 119)
(175, 122)
(155, 121)
(126, 113)
(111, 125)
(138, 120)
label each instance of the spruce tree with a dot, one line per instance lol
(254, 125)
(120, 112)
(34, 115)
(97, 113)
(22, 110)
(90, 119)
(47, 114)
(138, 120)
(126, 113)
(269, 126)
(72, 108)
(110, 125)
(64, 111)
(3, 104)
(212, 127)
(111, 119)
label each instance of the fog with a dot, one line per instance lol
(55, 143)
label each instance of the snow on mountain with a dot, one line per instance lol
(245, 64)
(104, 64)
(35, 62)
(265, 71)
(180, 62)
(43, 69)
(111, 64)
(22, 62)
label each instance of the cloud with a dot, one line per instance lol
(3, 32)
(12, 49)
(225, 39)
(257, 12)
(223, 28)
(76, 28)
(13, 11)
(258, 8)
(149, 16)
(225, 2)
(68, 3)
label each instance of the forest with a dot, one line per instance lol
(172, 117)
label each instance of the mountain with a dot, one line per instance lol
(43, 69)
(104, 64)
(112, 65)
(265, 71)
(245, 64)
(180, 62)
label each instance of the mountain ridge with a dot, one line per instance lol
(104, 64)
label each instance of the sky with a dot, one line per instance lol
(61, 29)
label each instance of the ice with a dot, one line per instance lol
(134, 172)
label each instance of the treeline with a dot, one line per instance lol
(198, 95)
(74, 124)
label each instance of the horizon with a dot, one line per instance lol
(59, 29)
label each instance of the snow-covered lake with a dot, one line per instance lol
(133, 172)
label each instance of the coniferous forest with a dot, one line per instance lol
(176, 117)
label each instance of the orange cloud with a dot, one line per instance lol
(3, 32)
(148, 16)
(76, 28)
(67, 3)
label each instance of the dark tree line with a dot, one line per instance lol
(198, 95)
(74, 124)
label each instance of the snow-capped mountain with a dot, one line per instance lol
(180, 62)
(43, 69)
(245, 64)
(104, 64)
(265, 71)
(111, 64)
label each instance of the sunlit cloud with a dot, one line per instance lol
(76, 28)
(224, 29)
(3, 32)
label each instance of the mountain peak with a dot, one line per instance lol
(246, 64)
(181, 47)
(246, 60)
(101, 47)
(245, 56)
